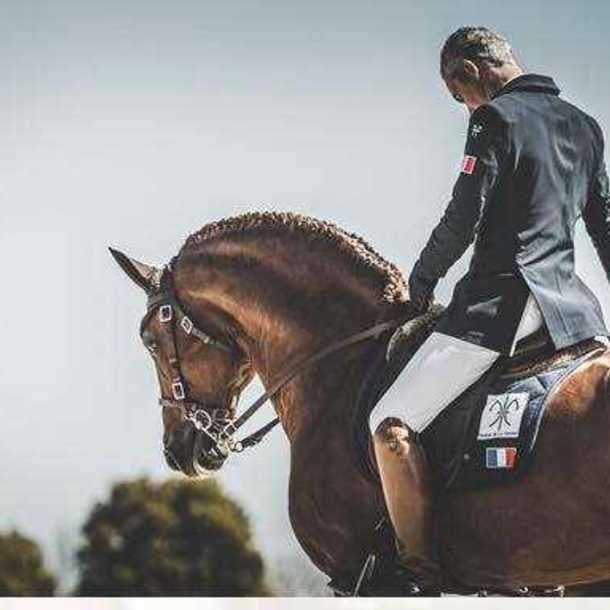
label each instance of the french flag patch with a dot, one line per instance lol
(500, 457)
(468, 164)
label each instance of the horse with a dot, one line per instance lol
(266, 290)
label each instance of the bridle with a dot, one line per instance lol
(214, 423)
(217, 423)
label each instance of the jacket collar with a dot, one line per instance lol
(530, 82)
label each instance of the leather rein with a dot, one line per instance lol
(219, 426)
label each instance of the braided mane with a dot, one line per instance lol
(358, 253)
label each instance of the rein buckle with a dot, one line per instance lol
(178, 390)
(186, 324)
(201, 420)
(235, 446)
(165, 313)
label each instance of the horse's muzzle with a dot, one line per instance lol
(178, 447)
(207, 455)
(192, 451)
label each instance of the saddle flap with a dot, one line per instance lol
(487, 435)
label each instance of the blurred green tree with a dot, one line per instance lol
(22, 572)
(177, 538)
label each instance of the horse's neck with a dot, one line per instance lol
(286, 312)
(321, 393)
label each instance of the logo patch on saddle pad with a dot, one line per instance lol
(500, 457)
(502, 415)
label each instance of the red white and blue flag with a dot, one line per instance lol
(500, 457)
(468, 164)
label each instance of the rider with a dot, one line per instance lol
(533, 165)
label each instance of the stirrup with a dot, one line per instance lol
(381, 577)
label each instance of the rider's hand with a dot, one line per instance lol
(420, 305)
(421, 292)
(422, 302)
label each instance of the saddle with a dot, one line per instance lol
(488, 434)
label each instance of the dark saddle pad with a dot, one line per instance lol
(488, 434)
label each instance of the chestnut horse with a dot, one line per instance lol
(274, 288)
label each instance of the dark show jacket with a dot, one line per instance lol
(533, 165)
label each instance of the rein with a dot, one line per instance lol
(219, 427)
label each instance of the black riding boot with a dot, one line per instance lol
(396, 574)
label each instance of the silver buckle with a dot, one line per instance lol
(178, 390)
(221, 415)
(228, 430)
(186, 324)
(201, 419)
(165, 313)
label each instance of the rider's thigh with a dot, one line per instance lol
(393, 435)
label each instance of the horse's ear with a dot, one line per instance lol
(145, 276)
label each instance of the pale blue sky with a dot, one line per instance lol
(132, 123)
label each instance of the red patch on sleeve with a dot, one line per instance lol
(468, 164)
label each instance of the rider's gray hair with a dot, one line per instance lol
(474, 43)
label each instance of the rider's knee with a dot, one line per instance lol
(393, 434)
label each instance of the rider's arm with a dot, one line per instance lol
(485, 152)
(597, 211)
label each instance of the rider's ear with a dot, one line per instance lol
(145, 276)
(470, 72)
